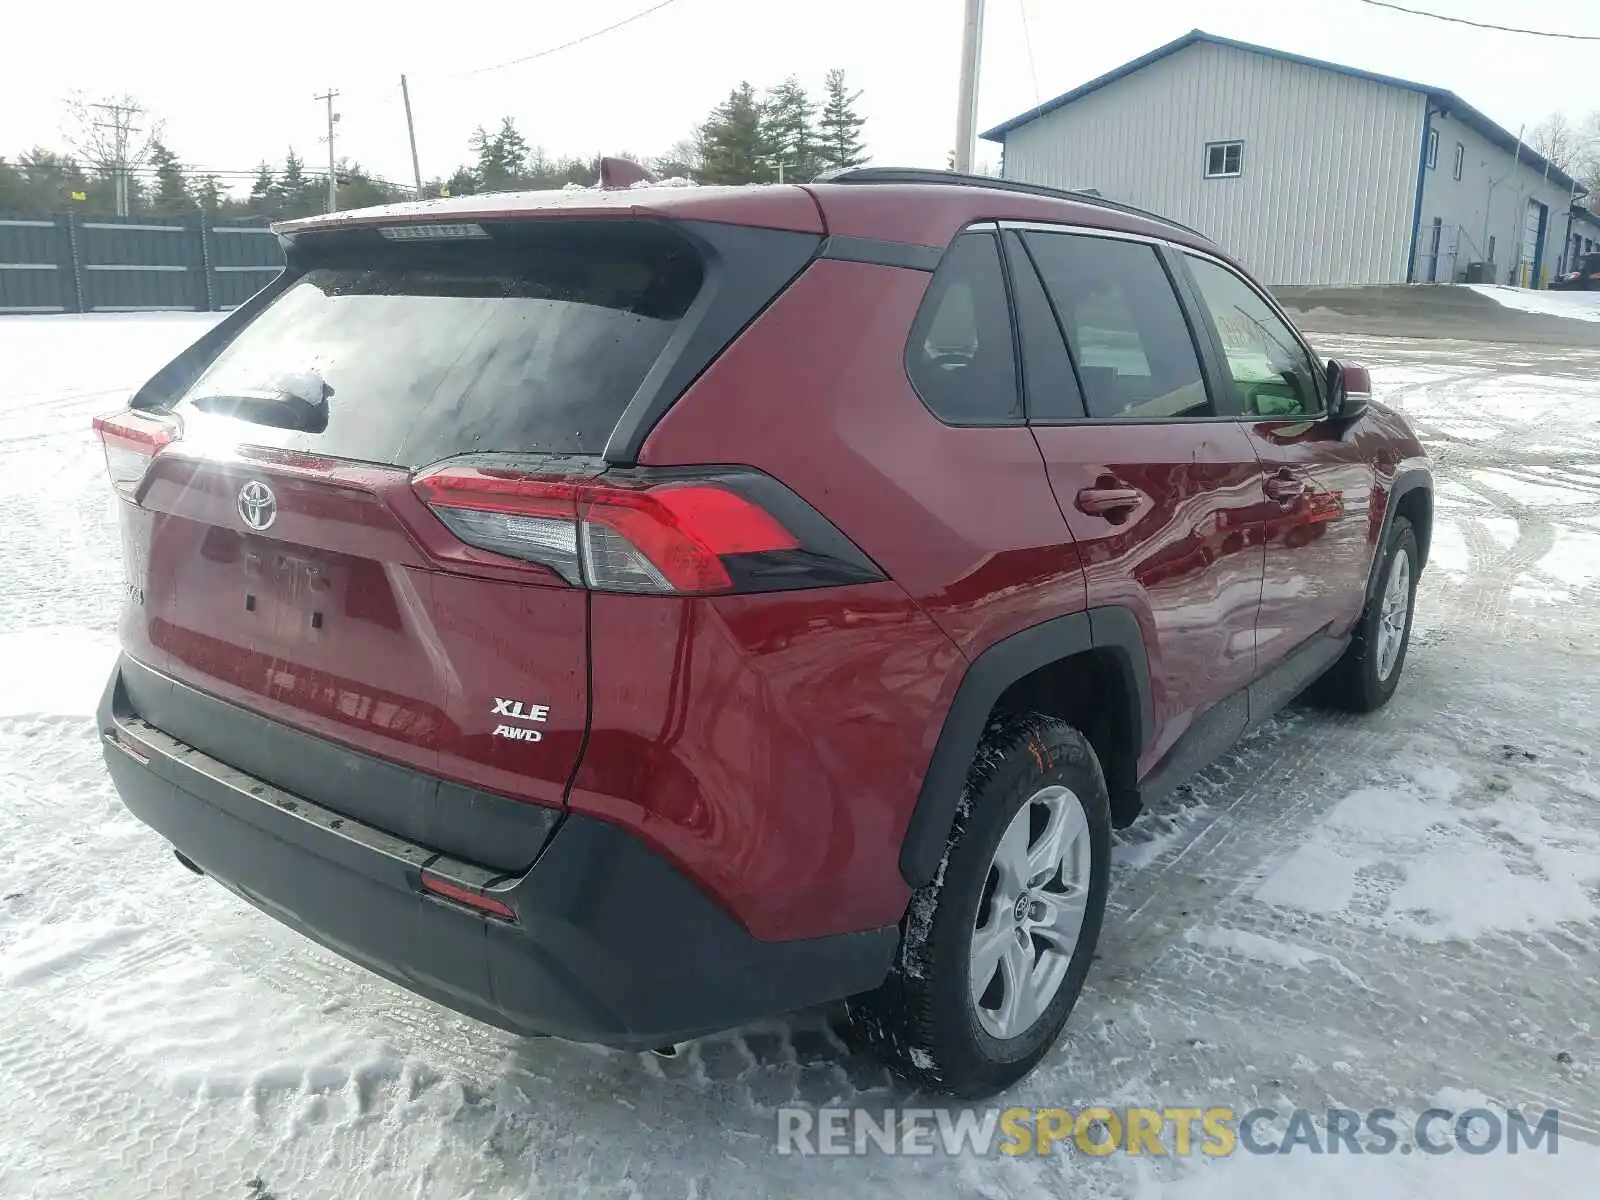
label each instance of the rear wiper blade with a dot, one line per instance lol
(301, 403)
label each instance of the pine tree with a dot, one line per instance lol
(357, 189)
(730, 142)
(788, 129)
(48, 181)
(502, 157)
(263, 189)
(840, 127)
(172, 190)
(13, 189)
(293, 189)
(463, 183)
(208, 194)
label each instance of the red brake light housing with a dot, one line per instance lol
(132, 438)
(661, 532)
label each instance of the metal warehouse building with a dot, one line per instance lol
(1307, 171)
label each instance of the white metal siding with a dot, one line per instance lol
(1490, 200)
(1328, 191)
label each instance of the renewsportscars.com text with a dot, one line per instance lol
(1159, 1132)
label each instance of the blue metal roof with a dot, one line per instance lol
(1447, 100)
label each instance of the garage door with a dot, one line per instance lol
(1530, 243)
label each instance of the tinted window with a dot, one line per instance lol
(1271, 370)
(1051, 387)
(1127, 334)
(961, 357)
(532, 340)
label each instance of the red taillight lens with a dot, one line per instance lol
(487, 905)
(621, 533)
(672, 538)
(132, 439)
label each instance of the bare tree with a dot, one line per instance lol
(113, 136)
(682, 160)
(1586, 162)
(1557, 139)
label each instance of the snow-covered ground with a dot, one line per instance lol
(1580, 306)
(1395, 911)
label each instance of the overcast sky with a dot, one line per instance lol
(234, 84)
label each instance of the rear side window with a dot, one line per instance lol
(532, 339)
(961, 356)
(1051, 387)
(1126, 332)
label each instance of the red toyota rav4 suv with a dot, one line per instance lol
(624, 614)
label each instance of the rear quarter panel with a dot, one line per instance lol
(802, 723)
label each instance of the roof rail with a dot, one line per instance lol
(928, 175)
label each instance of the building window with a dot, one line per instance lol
(1224, 160)
(1461, 159)
(1433, 148)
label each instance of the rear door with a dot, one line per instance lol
(1158, 486)
(296, 571)
(1319, 476)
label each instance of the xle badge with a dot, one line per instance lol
(518, 710)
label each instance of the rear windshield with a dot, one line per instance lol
(533, 338)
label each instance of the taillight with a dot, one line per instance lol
(668, 534)
(132, 439)
(470, 897)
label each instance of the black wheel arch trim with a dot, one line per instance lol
(1415, 479)
(1111, 628)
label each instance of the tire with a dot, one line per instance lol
(1366, 675)
(925, 1021)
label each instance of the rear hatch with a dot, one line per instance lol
(291, 563)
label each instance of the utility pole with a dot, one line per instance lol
(411, 133)
(967, 106)
(333, 183)
(121, 115)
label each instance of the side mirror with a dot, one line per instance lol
(1349, 391)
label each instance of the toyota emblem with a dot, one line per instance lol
(258, 507)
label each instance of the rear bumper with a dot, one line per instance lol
(611, 944)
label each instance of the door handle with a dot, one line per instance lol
(1284, 488)
(1105, 501)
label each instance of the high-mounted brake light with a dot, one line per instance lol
(669, 536)
(132, 439)
(432, 232)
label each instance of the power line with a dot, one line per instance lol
(1544, 33)
(1027, 38)
(577, 41)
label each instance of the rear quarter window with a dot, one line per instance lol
(961, 355)
(532, 339)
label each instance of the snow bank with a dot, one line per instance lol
(1579, 306)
